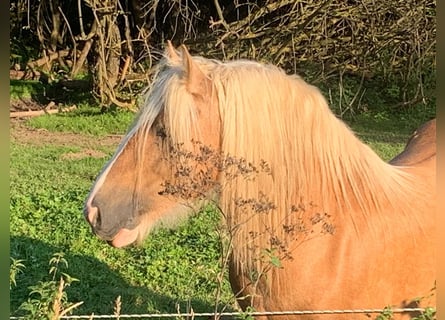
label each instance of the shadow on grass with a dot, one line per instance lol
(98, 285)
(63, 92)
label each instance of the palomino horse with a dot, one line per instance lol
(316, 220)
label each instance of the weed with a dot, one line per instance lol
(387, 314)
(15, 268)
(247, 314)
(48, 299)
(428, 314)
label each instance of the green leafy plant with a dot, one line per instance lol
(15, 268)
(428, 314)
(247, 314)
(48, 299)
(387, 314)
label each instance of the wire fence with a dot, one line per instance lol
(192, 315)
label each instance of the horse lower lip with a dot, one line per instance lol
(124, 237)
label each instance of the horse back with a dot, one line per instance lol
(421, 147)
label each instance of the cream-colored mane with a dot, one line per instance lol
(266, 115)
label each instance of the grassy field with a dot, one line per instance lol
(54, 160)
(53, 163)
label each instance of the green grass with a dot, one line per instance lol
(47, 192)
(86, 120)
(46, 199)
(21, 89)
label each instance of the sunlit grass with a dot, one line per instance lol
(86, 120)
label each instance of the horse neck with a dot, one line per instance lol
(314, 157)
(340, 165)
(317, 166)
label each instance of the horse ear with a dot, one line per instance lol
(171, 53)
(196, 80)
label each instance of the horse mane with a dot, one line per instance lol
(269, 116)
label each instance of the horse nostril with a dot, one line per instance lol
(92, 215)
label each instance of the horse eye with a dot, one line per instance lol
(160, 132)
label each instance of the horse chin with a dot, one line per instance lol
(124, 238)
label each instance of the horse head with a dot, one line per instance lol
(127, 199)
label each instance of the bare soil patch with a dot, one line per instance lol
(25, 104)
